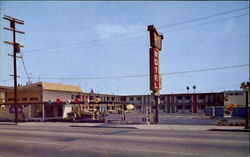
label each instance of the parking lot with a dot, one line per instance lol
(171, 118)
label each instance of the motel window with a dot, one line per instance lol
(162, 98)
(202, 97)
(131, 99)
(187, 97)
(202, 107)
(139, 98)
(123, 98)
(11, 99)
(113, 98)
(162, 107)
(229, 93)
(91, 97)
(239, 93)
(179, 107)
(72, 96)
(199, 107)
(179, 97)
(33, 98)
(24, 99)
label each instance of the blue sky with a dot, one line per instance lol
(101, 39)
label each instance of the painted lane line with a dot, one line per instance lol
(165, 152)
(36, 142)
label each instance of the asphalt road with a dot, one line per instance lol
(30, 141)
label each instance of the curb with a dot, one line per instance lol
(104, 127)
(8, 124)
(231, 130)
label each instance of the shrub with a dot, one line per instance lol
(223, 122)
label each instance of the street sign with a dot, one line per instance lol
(156, 45)
(154, 69)
(155, 37)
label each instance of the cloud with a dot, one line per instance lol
(107, 30)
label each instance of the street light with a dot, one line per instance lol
(187, 89)
(246, 86)
(182, 100)
(194, 87)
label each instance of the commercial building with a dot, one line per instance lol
(44, 101)
(236, 97)
(38, 101)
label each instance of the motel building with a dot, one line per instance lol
(177, 103)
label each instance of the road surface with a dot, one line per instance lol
(31, 141)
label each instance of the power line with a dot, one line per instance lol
(25, 69)
(202, 18)
(136, 76)
(210, 22)
(164, 26)
(214, 21)
(141, 33)
(208, 69)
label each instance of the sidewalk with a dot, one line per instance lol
(7, 123)
(135, 126)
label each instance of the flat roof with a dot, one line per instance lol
(59, 87)
(51, 86)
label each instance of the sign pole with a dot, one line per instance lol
(154, 57)
(156, 120)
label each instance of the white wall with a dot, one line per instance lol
(234, 99)
(66, 109)
(53, 95)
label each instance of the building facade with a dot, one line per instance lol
(182, 103)
(37, 101)
(43, 100)
(236, 97)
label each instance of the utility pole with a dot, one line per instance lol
(246, 88)
(16, 49)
